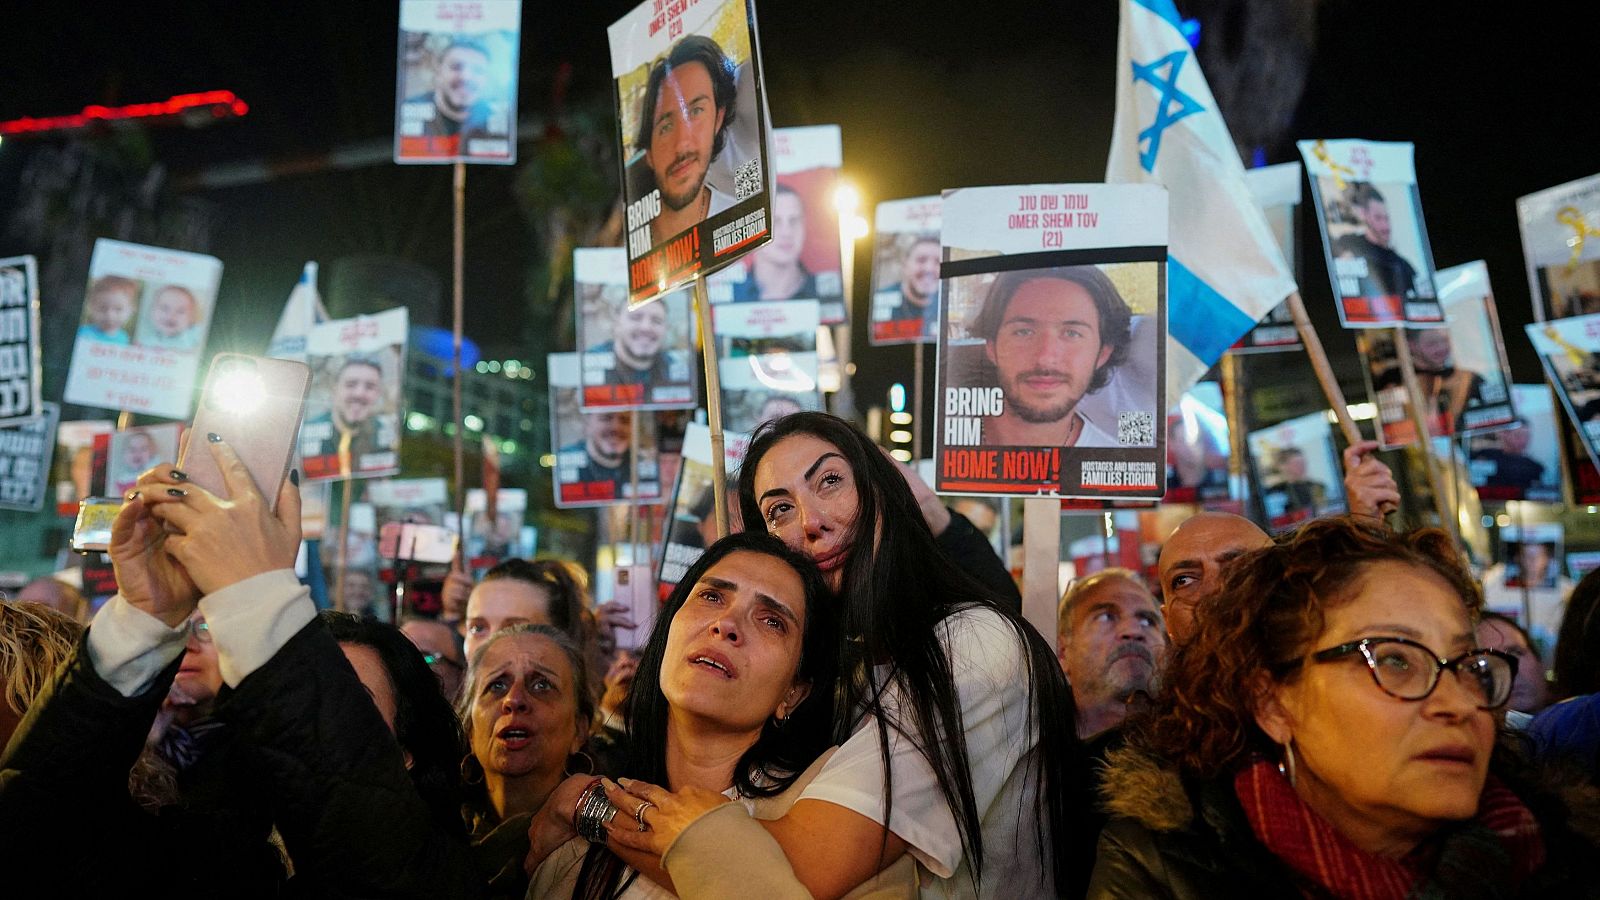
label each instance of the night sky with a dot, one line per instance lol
(1499, 100)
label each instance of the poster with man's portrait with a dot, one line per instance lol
(905, 271)
(353, 410)
(766, 361)
(72, 468)
(1052, 342)
(634, 357)
(20, 375)
(604, 456)
(1373, 235)
(1532, 554)
(691, 117)
(146, 312)
(1276, 189)
(485, 542)
(1561, 252)
(802, 261)
(1197, 446)
(133, 450)
(1298, 470)
(1523, 460)
(1570, 352)
(692, 521)
(1461, 368)
(456, 85)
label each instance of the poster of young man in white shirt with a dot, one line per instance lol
(127, 283)
(691, 115)
(767, 360)
(1563, 268)
(1373, 236)
(595, 463)
(456, 85)
(637, 357)
(1052, 343)
(352, 424)
(802, 261)
(19, 340)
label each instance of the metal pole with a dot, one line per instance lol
(916, 403)
(708, 348)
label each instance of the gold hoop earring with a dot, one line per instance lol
(1286, 766)
(585, 754)
(468, 763)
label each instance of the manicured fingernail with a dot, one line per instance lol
(177, 492)
(132, 496)
(294, 477)
(625, 782)
(179, 475)
(213, 437)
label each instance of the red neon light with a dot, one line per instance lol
(221, 103)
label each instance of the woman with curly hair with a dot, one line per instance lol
(1328, 730)
(34, 640)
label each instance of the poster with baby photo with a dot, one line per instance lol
(692, 127)
(1373, 235)
(19, 340)
(146, 312)
(1560, 249)
(802, 261)
(638, 357)
(135, 449)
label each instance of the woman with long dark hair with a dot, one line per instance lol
(955, 720)
(733, 701)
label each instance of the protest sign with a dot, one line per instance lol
(692, 121)
(485, 542)
(133, 450)
(595, 463)
(1052, 342)
(1570, 352)
(1522, 461)
(767, 360)
(1373, 235)
(72, 468)
(802, 261)
(1532, 554)
(352, 417)
(145, 317)
(1560, 249)
(456, 84)
(19, 340)
(1298, 470)
(691, 526)
(633, 358)
(905, 272)
(1197, 446)
(25, 449)
(1276, 189)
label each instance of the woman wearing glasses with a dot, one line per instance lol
(1329, 731)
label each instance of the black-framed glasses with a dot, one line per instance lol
(436, 658)
(1408, 670)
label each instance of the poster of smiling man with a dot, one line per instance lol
(691, 115)
(595, 460)
(352, 425)
(1052, 342)
(637, 357)
(456, 88)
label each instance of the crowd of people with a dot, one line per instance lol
(841, 700)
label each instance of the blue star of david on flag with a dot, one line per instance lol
(1166, 114)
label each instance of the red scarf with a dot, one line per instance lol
(1328, 860)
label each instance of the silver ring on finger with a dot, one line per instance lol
(638, 815)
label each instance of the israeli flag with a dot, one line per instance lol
(1224, 269)
(303, 311)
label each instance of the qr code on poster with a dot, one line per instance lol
(1136, 429)
(747, 180)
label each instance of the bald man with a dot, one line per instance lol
(1191, 562)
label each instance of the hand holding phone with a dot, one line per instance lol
(255, 404)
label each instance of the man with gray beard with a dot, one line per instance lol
(1111, 645)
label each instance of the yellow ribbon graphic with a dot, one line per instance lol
(1320, 151)
(1581, 229)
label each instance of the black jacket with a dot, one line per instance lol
(970, 550)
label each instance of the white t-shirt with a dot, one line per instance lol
(988, 663)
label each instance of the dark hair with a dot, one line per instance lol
(898, 587)
(1363, 192)
(1577, 661)
(568, 609)
(424, 724)
(1257, 626)
(782, 752)
(115, 283)
(1115, 317)
(692, 49)
(1514, 625)
(582, 691)
(360, 359)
